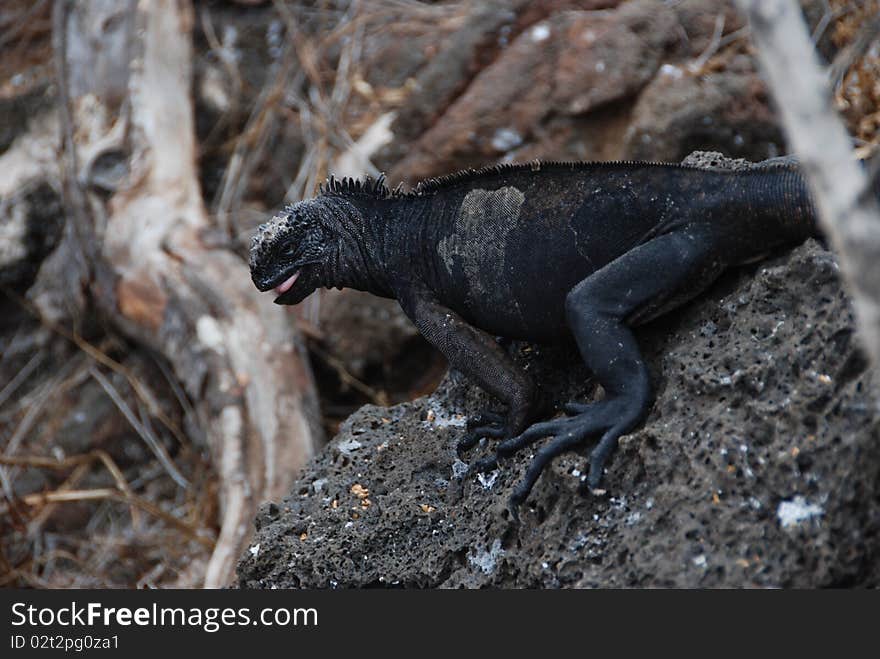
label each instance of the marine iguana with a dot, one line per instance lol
(542, 252)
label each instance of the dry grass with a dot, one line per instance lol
(854, 29)
(135, 507)
(318, 83)
(856, 32)
(26, 44)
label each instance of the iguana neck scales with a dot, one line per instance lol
(541, 252)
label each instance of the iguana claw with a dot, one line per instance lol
(485, 424)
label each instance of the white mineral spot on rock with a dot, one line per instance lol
(791, 513)
(254, 549)
(438, 418)
(459, 469)
(347, 446)
(484, 560)
(540, 33)
(488, 481)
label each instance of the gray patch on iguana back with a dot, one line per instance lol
(481, 252)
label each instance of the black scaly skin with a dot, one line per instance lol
(543, 253)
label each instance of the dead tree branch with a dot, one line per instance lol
(848, 210)
(155, 278)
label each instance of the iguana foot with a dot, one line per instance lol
(486, 424)
(610, 417)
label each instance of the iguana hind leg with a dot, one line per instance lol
(645, 281)
(476, 354)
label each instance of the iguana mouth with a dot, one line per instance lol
(285, 286)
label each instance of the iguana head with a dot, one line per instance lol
(331, 240)
(287, 253)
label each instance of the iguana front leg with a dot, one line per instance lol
(644, 282)
(476, 354)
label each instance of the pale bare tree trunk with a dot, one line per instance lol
(132, 186)
(847, 208)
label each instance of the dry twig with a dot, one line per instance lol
(848, 210)
(121, 493)
(141, 429)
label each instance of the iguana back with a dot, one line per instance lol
(505, 245)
